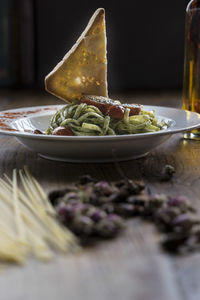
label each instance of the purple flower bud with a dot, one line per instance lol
(82, 225)
(65, 212)
(106, 228)
(70, 196)
(77, 205)
(181, 219)
(178, 201)
(114, 217)
(61, 209)
(182, 203)
(117, 220)
(185, 222)
(104, 187)
(98, 215)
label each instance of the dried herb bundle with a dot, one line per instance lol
(98, 208)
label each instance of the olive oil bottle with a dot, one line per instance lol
(191, 83)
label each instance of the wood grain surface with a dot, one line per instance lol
(131, 267)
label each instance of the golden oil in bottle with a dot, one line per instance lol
(191, 83)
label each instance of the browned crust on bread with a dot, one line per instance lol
(50, 83)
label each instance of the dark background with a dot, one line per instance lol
(145, 40)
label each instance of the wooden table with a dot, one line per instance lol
(131, 267)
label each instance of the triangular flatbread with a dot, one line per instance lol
(83, 70)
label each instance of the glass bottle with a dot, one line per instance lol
(191, 83)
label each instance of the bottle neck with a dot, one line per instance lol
(193, 4)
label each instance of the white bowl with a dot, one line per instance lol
(22, 122)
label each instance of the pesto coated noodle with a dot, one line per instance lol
(88, 120)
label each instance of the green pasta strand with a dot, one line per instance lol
(88, 120)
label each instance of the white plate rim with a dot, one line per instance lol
(168, 131)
